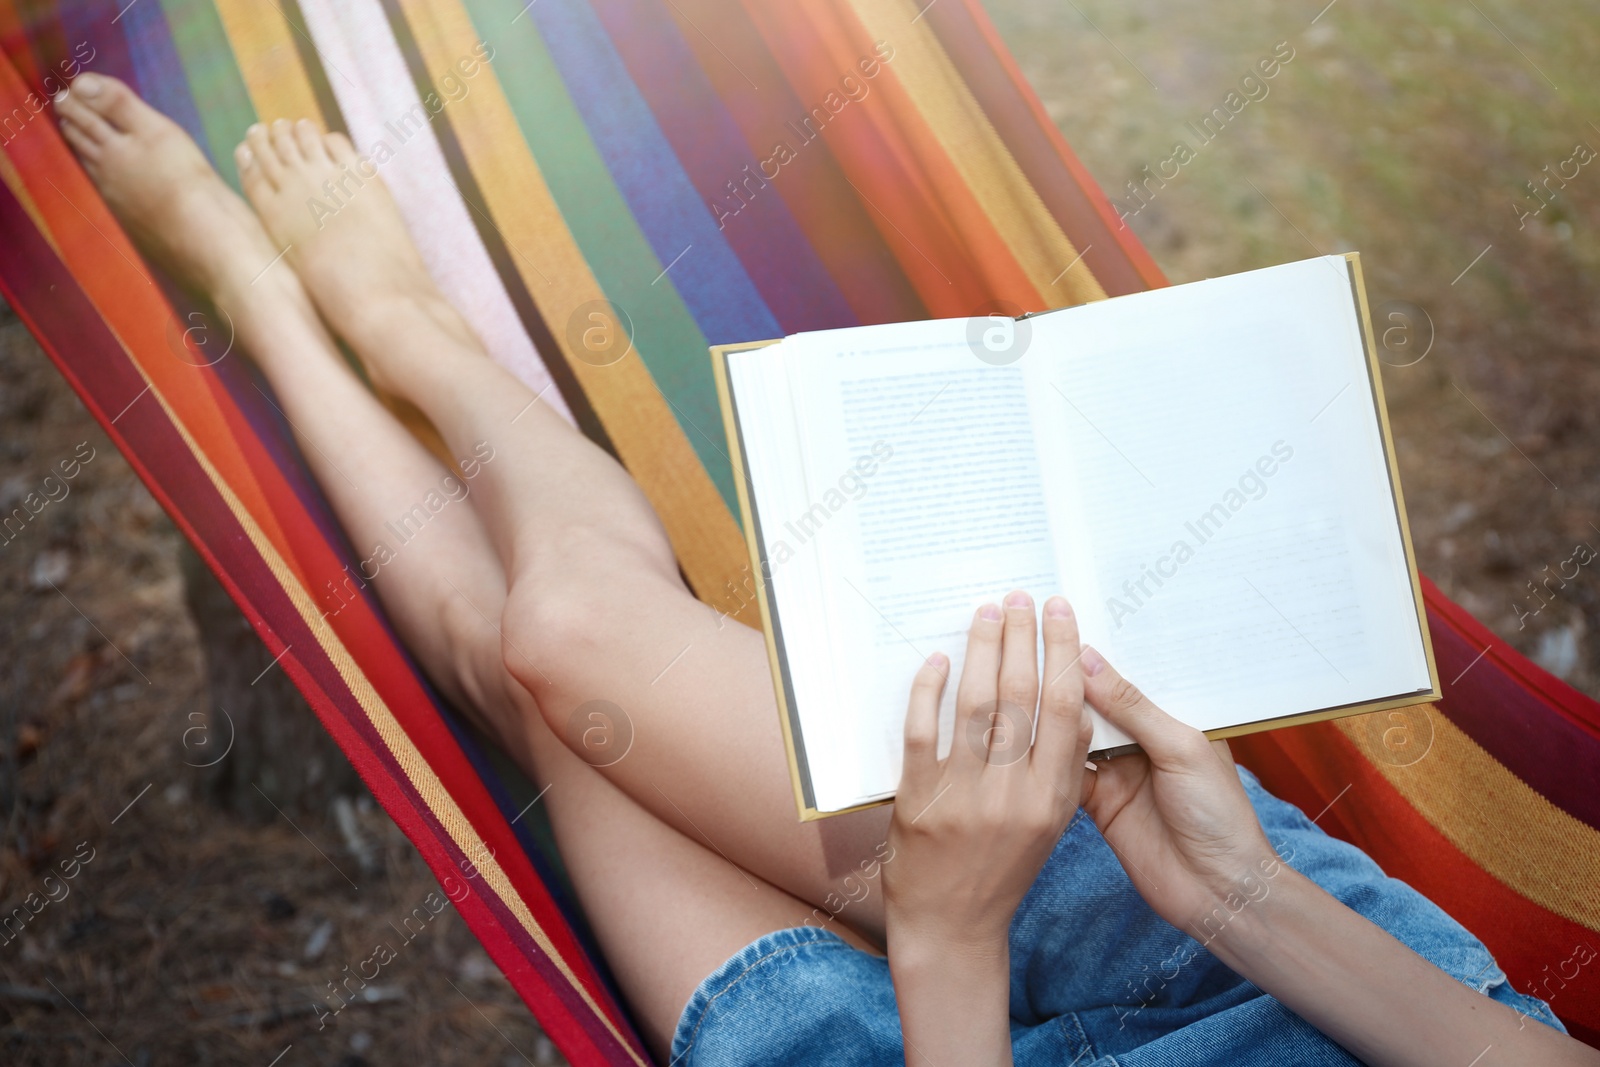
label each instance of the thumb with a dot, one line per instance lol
(1164, 739)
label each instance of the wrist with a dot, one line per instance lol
(953, 995)
(1244, 872)
(1249, 926)
(916, 950)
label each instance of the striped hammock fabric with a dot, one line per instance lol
(692, 172)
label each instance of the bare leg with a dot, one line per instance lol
(596, 609)
(666, 910)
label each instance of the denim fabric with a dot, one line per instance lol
(1097, 978)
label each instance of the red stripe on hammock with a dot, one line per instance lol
(813, 185)
(1555, 754)
(1110, 249)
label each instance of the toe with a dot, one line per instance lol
(73, 106)
(284, 143)
(309, 140)
(264, 155)
(87, 148)
(340, 150)
(114, 102)
(251, 175)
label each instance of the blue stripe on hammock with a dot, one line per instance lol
(775, 252)
(161, 79)
(91, 20)
(665, 205)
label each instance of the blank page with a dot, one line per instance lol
(1221, 496)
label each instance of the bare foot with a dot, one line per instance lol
(162, 189)
(345, 236)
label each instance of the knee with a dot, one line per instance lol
(553, 636)
(574, 611)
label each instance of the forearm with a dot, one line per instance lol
(954, 1005)
(1357, 984)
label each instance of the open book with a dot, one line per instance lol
(1204, 471)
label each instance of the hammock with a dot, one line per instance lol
(707, 172)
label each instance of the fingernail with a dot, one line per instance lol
(243, 155)
(87, 84)
(990, 612)
(1093, 662)
(939, 661)
(62, 95)
(256, 127)
(1057, 607)
(1018, 599)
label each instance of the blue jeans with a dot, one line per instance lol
(1097, 978)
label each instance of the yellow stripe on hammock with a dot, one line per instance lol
(1496, 819)
(972, 144)
(269, 60)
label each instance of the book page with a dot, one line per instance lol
(1228, 531)
(928, 503)
(780, 494)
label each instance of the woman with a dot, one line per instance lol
(1173, 918)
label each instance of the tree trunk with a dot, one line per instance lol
(259, 747)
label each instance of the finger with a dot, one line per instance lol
(1164, 739)
(1061, 716)
(1019, 681)
(920, 769)
(975, 695)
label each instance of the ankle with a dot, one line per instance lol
(271, 297)
(380, 320)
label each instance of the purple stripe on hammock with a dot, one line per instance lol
(775, 252)
(93, 21)
(710, 279)
(159, 75)
(1557, 758)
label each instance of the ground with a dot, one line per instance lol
(1410, 135)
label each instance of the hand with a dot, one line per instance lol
(1176, 813)
(971, 832)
